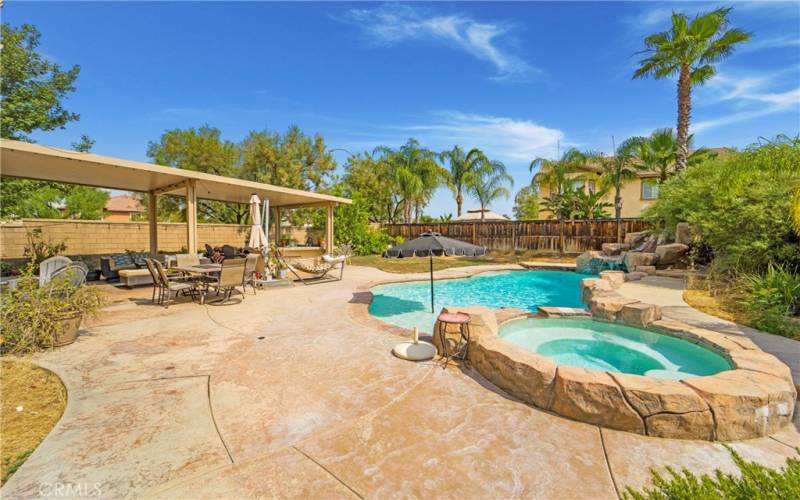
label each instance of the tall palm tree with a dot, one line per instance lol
(619, 169)
(555, 175)
(689, 50)
(462, 166)
(488, 183)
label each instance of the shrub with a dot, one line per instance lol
(38, 250)
(739, 206)
(753, 483)
(768, 299)
(30, 317)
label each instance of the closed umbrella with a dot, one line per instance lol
(430, 244)
(257, 237)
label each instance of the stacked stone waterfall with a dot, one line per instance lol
(643, 252)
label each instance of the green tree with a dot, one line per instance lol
(84, 144)
(364, 173)
(659, 151)
(489, 182)
(526, 204)
(416, 174)
(689, 51)
(461, 167)
(32, 87)
(556, 175)
(200, 150)
(619, 169)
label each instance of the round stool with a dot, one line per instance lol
(459, 350)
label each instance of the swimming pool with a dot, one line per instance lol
(612, 347)
(408, 304)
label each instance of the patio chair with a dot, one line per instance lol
(48, 267)
(73, 274)
(172, 286)
(156, 280)
(345, 250)
(187, 259)
(231, 276)
(209, 250)
(249, 278)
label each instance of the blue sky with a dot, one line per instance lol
(515, 79)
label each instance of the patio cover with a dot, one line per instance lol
(35, 161)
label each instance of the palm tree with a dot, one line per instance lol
(416, 175)
(462, 166)
(617, 170)
(659, 152)
(689, 50)
(488, 183)
(555, 175)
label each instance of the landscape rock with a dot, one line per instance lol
(634, 276)
(614, 248)
(523, 374)
(650, 396)
(648, 245)
(615, 278)
(633, 239)
(634, 259)
(646, 270)
(671, 253)
(592, 262)
(746, 404)
(606, 306)
(683, 233)
(639, 314)
(760, 361)
(694, 425)
(593, 396)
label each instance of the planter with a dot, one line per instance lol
(282, 273)
(70, 323)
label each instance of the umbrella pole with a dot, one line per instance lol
(430, 257)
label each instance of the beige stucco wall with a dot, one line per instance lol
(632, 202)
(105, 237)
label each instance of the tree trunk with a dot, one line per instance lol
(684, 115)
(618, 213)
(483, 212)
(560, 237)
(407, 211)
(459, 202)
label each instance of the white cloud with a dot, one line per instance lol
(391, 24)
(753, 96)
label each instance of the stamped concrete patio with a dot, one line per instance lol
(284, 395)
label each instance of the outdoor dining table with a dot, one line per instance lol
(202, 270)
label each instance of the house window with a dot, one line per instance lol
(649, 189)
(577, 185)
(592, 187)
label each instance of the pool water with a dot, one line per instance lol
(409, 304)
(612, 347)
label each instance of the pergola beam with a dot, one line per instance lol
(191, 216)
(152, 222)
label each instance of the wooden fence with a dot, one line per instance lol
(536, 235)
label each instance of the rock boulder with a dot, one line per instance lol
(633, 239)
(615, 278)
(614, 248)
(670, 253)
(639, 314)
(634, 259)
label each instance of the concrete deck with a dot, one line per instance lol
(284, 395)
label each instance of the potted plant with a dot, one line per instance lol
(34, 319)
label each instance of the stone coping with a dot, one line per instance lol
(755, 398)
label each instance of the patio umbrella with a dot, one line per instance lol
(257, 237)
(430, 244)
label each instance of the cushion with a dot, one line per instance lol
(129, 273)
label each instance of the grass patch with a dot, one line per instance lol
(753, 482)
(420, 264)
(42, 397)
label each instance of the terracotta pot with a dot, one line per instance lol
(71, 322)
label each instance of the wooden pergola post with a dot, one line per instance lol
(329, 228)
(276, 212)
(191, 216)
(152, 222)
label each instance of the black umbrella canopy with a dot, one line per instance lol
(430, 244)
(433, 243)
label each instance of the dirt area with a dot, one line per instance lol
(33, 400)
